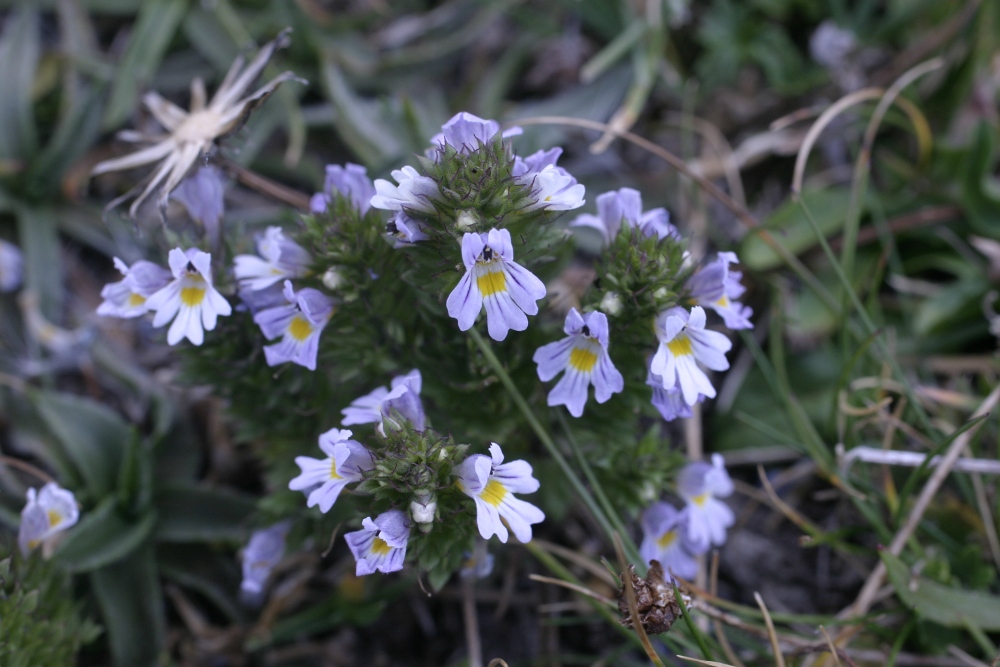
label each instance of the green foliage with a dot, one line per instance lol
(40, 622)
(946, 605)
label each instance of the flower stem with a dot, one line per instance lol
(588, 472)
(542, 434)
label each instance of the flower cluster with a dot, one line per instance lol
(675, 537)
(382, 542)
(184, 295)
(472, 189)
(473, 223)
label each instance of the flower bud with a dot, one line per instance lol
(423, 508)
(611, 304)
(466, 220)
(333, 278)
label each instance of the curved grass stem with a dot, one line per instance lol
(602, 498)
(542, 434)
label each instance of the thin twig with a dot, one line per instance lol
(262, 184)
(28, 468)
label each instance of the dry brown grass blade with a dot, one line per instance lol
(471, 622)
(887, 100)
(710, 663)
(577, 558)
(741, 213)
(779, 659)
(867, 595)
(825, 118)
(574, 587)
(633, 608)
(720, 634)
(829, 642)
(677, 163)
(714, 137)
(790, 513)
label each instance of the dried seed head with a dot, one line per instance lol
(655, 601)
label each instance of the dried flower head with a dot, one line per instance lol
(191, 134)
(654, 600)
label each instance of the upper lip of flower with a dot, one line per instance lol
(192, 133)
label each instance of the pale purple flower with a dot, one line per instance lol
(299, 322)
(258, 300)
(624, 206)
(466, 132)
(322, 480)
(262, 553)
(403, 396)
(381, 544)
(829, 45)
(405, 230)
(202, 195)
(280, 258)
(508, 290)
(414, 192)
(700, 485)
(666, 538)
(583, 354)
(189, 299)
(11, 267)
(478, 564)
(350, 181)
(669, 402)
(715, 286)
(684, 343)
(491, 483)
(552, 189)
(127, 297)
(48, 512)
(537, 161)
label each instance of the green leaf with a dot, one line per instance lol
(102, 537)
(210, 572)
(947, 605)
(153, 30)
(359, 122)
(76, 132)
(135, 480)
(789, 227)
(978, 184)
(19, 52)
(191, 513)
(92, 436)
(38, 231)
(128, 593)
